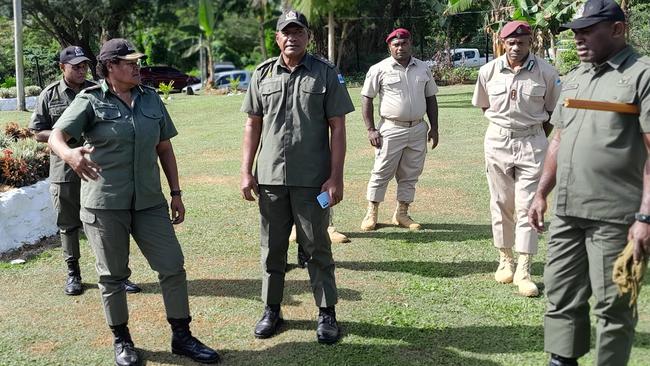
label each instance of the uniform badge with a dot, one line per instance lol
(291, 16)
(341, 80)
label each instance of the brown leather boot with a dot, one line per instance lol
(369, 222)
(402, 218)
(522, 276)
(336, 237)
(506, 270)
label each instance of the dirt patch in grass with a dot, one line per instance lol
(27, 252)
(43, 347)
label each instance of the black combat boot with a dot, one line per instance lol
(303, 257)
(270, 322)
(125, 353)
(562, 361)
(184, 344)
(328, 330)
(73, 284)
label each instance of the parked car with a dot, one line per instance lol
(468, 57)
(223, 66)
(154, 75)
(222, 79)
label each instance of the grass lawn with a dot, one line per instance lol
(406, 298)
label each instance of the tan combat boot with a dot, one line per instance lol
(402, 218)
(370, 221)
(336, 237)
(506, 270)
(522, 276)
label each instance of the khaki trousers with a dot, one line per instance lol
(280, 208)
(108, 233)
(65, 199)
(580, 259)
(401, 155)
(514, 161)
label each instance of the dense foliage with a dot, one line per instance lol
(23, 160)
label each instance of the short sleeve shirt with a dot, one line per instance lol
(517, 100)
(602, 154)
(125, 139)
(295, 106)
(52, 101)
(402, 90)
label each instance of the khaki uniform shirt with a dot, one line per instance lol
(52, 101)
(517, 100)
(296, 106)
(601, 156)
(125, 140)
(402, 91)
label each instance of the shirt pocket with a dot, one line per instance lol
(391, 83)
(497, 94)
(108, 125)
(271, 91)
(533, 91)
(151, 124)
(569, 91)
(56, 110)
(620, 93)
(312, 94)
(532, 95)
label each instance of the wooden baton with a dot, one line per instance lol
(602, 106)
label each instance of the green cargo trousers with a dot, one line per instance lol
(108, 234)
(65, 198)
(280, 208)
(581, 255)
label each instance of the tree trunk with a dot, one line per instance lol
(344, 36)
(262, 37)
(330, 36)
(208, 84)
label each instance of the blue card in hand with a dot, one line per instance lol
(323, 199)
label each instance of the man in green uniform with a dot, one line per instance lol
(127, 133)
(296, 106)
(598, 161)
(64, 183)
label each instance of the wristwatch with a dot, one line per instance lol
(176, 193)
(642, 218)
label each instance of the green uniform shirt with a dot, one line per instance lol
(125, 141)
(52, 101)
(601, 156)
(295, 106)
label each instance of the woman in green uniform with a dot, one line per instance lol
(127, 131)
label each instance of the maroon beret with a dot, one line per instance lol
(515, 29)
(399, 33)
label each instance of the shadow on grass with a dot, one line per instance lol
(417, 346)
(432, 269)
(429, 233)
(248, 289)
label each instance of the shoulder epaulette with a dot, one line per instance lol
(266, 62)
(90, 88)
(325, 61)
(147, 87)
(52, 86)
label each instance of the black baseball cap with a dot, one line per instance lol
(292, 17)
(73, 55)
(593, 12)
(119, 48)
